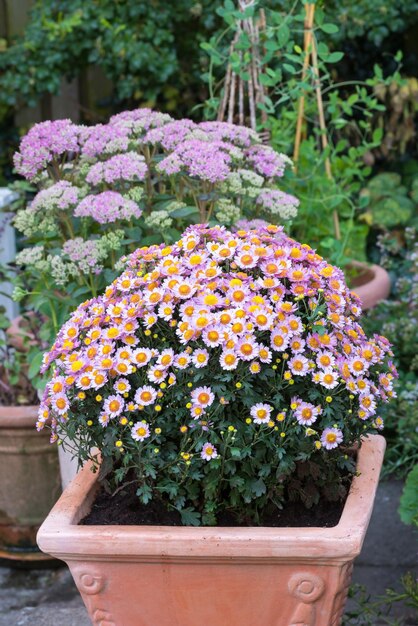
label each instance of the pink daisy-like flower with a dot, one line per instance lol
(247, 348)
(297, 344)
(145, 395)
(60, 403)
(200, 358)
(325, 359)
(263, 320)
(299, 365)
(185, 289)
(141, 357)
(114, 405)
(331, 438)
(378, 423)
(279, 341)
(56, 385)
(202, 396)
(157, 374)
(358, 365)
(264, 354)
(261, 413)
(294, 325)
(140, 431)
(182, 360)
(122, 385)
(104, 419)
(166, 358)
(246, 259)
(208, 452)
(228, 360)
(367, 403)
(213, 335)
(307, 413)
(85, 381)
(154, 297)
(165, 311)
(328, 378)
(197, 411)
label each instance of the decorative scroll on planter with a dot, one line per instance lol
(307, 588)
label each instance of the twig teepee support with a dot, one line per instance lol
(239, 92)
(310, 51)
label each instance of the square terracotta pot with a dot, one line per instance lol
(184, 576)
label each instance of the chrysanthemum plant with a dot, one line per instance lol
(140, 179)
(225, 374)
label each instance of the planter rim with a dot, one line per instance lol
(60, 535)
(18, 416)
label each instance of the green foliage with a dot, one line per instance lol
(397, 319)
(350, 109)
(408, 508)
(373, 19)
(148, 50)
(367, 611)
(389, 202)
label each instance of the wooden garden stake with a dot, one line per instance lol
(308, 26)
(310, 51)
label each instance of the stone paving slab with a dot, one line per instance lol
(48, 597)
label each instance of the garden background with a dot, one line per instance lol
(88, 60)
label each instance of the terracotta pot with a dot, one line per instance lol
(19, 334)
(29, 482)
(372, 284)
(181, 576)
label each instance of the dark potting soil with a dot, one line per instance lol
(126, 509)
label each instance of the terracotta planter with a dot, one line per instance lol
(372, 284)
(19, 335)
(29, 482)
(182, 576)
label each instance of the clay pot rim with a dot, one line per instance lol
(23, 416)
(61, 536)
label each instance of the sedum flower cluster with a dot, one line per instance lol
(226, 372)
(144, 174)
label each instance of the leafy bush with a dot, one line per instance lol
(148, 49)
(327, 180)
(389, 202)
(397, 318)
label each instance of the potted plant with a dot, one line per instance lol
(29, 476)
(225, 380)
(142, 177)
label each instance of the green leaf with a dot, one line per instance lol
(334, 57)
(35, 365)
(283, 34)
(189, 517)
(258, 487)
(408, 508)
(185, 211)
(144, 493)
(329, 29)
(289, 68)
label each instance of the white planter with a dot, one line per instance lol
(7, 249)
